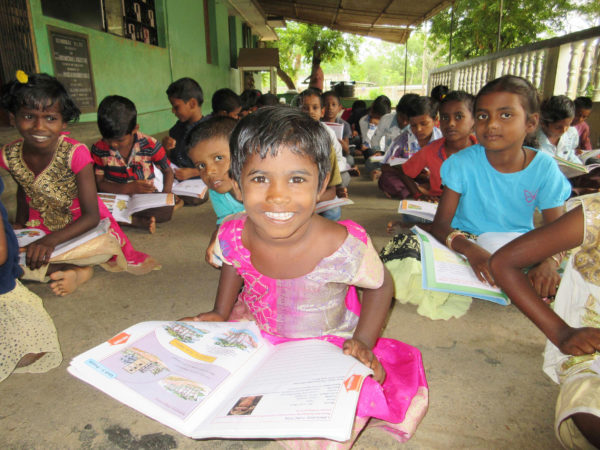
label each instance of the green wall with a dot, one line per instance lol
(143, 72)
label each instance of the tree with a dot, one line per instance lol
(300, 42)
(475, 26)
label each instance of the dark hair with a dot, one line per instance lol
(459, 96)
(331, 94)
(402, 106)
(583, 103)
(186, 89)
(381, 106)
(273, 128)
(267, 100)
(421, 106)
(358, 104)
(41, 91)
(439, 92)
(249, 98)
(557, 107)
(116, 117)
(225, 100)
(215, 127)
(310, 92)
(515, 85)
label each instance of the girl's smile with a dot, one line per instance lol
(280, 193)
(40, 128)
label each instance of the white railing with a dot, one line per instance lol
(568, 65)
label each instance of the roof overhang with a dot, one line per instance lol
(255, 17)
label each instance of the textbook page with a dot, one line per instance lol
(191, 188)
(570, 169)
(334, 202)
(397, 161)
(184, 374)
(425, 210)
(122, 206)
(305, 388)
(446, 271)
(338, 129)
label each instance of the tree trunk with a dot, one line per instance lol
(286, 79)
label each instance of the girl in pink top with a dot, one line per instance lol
(56, 188)
(297, 271)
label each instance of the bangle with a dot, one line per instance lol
(453, 234)
(557, 259)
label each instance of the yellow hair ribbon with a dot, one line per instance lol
(22, 77)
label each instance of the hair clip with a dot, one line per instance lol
(22, 77)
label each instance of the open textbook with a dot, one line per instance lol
(122, 206)
(193, 187)
(338, 129)
(222, 379)
(424, 210)
(330, 204)
(26, 236)
(588, 163)
(446, 271)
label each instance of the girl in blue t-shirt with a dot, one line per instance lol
(494, 186)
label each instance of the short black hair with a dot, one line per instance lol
(439, 92)
(331, 94)
(117, 117)
(215, 127)
(401, 107)
(310, 92)
(381, 106)
(41, 91)
(421, 106)
(459, 96)
(556, 108)
(225, 100)
(186, 89)
(273, 128)
(583, 103)
(267, 100)
(249, 98)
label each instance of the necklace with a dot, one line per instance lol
(524, 157)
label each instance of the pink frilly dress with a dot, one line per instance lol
(53, 201)
(323, 304)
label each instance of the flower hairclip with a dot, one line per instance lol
(22, 77)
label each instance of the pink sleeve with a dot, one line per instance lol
(81, 158)
(2, 162)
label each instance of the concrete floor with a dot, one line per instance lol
(487, 389)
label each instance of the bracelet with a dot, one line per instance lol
(557, 260)
(451, 236)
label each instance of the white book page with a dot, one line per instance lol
(140, 202)
(417, 208)
(337, 128)
(330, 204)
(191, 188)
(303, 389)
(397, 161)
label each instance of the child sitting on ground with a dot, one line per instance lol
(124, 159)
(555, 135)
(456, 123)
(583, 109)
(208, 148)
(572, 323)
(280, 166)
(186, 98)
(422, 113)
(312, 104)
(369, 122)
(28, 341)
(57, 191)
(332, 108)
(225, 102)
(391, 125)
(493, 186)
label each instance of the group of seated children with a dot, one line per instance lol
(265, 175)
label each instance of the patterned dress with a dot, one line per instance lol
(578, 303)
(323, 304)
(53, 201)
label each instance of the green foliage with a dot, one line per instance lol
(297, 41)
(523, 21)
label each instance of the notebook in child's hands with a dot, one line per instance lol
(222, 379)
(333, 203)
(424, 210)
(122, 206)
(26, 236)
(193, 187)
(589, 162)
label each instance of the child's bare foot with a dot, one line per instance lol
(178, 204)
(67, 281)
(375, 174)
(144, 222)
(152, 225)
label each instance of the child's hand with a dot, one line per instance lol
(204, 317)
(39, 252)
(185, 173)
(168, 143)
(479, 260)
(142, 187)
(365, 355)
(579, 341)
(393, 226)
(544, 278)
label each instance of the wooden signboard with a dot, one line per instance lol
(72, 66)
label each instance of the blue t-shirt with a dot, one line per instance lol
(10, 270)
(502, 202)
(224, 205)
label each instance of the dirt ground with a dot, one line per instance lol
(487, 389)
